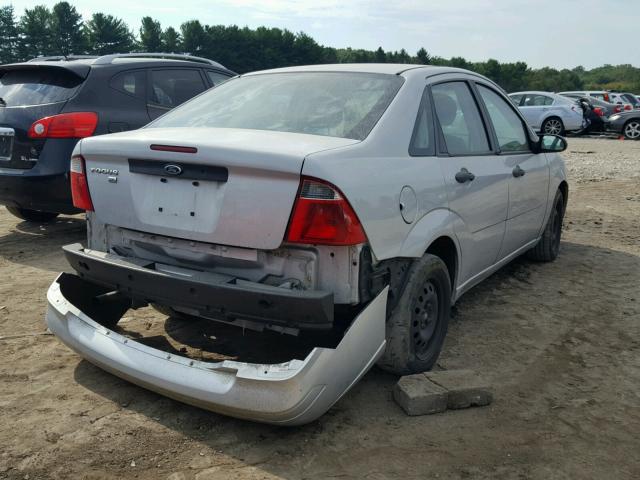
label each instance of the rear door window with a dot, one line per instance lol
(462, 126)
(537, 100)
(516, 99)
(129, 82)
(171, 87)
(216, 78)
(19, 88)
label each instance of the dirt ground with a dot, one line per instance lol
(560, 343)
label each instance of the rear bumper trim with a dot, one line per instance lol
(213, 296)
(291, 393)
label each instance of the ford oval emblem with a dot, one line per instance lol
(173, 169)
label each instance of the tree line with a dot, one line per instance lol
(61, 30)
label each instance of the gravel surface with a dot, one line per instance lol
(559, 343)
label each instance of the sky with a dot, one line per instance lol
(555, 33)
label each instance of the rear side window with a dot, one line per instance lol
(37, 87)
(508, 126)
(422, 142)
(131, 82)
(516, 99)
(216, 77)
(462, 127)
(599, 96)
(171, 87)
(534, 100)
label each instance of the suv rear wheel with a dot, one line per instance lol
(417, 325)
(32, 215)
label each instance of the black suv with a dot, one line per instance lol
(48, 104)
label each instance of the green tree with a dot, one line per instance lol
(35, 33)
(8, 35)
(423, 57)
(150, 35)
(380, 55)
(194, 37)
(171, 40)
(107, 34)
(66, 27)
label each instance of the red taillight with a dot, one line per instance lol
(628, 107)
(606, 97)
(617, 109)
(321, 215)
(79, 186)
(65, 125)
(598, 111)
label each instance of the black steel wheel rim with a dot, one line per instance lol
(424, 319)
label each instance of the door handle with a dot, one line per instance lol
(464, 176)
(518, 172)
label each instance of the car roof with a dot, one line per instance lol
(381, 68)
(534, 92)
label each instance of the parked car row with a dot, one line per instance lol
(580, 112)
(346, 206)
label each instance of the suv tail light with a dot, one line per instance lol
(65, 125)
(321, 215)
(628, 107)
(79, 186)
(606, 97)
(598, 111)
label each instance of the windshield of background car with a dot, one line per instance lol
(19, 88)
(346, 105)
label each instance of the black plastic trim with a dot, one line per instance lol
(304, 309)
(187, 171)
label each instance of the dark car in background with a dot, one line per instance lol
(48, 104)
(625, 123)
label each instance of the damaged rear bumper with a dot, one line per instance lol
(291, 393)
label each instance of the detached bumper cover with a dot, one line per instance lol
(291, 393)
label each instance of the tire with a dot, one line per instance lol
(32, 215)
(417, 325)
(547, 248)
(552, 126)
(631, 129)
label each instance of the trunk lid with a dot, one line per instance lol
(237, 189)
(29, 92)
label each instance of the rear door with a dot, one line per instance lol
(126, 107)
(169, 87)
(26, 95)
(476, 179)
(529, 179)
(534, 108)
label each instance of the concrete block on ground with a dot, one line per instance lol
(419, 396)
(463, 387)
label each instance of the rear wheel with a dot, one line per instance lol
(553, 126)
(549, 245)
(417, 325)
(631, 130)
(32, 215)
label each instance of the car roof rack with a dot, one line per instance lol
(57, 58)
(107, 59)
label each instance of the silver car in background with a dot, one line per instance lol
(549, 113)
(360, 200)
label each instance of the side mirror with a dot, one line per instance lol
(552, 143)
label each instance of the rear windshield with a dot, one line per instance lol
(36, 87)
(631, 99)
(345, 105)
